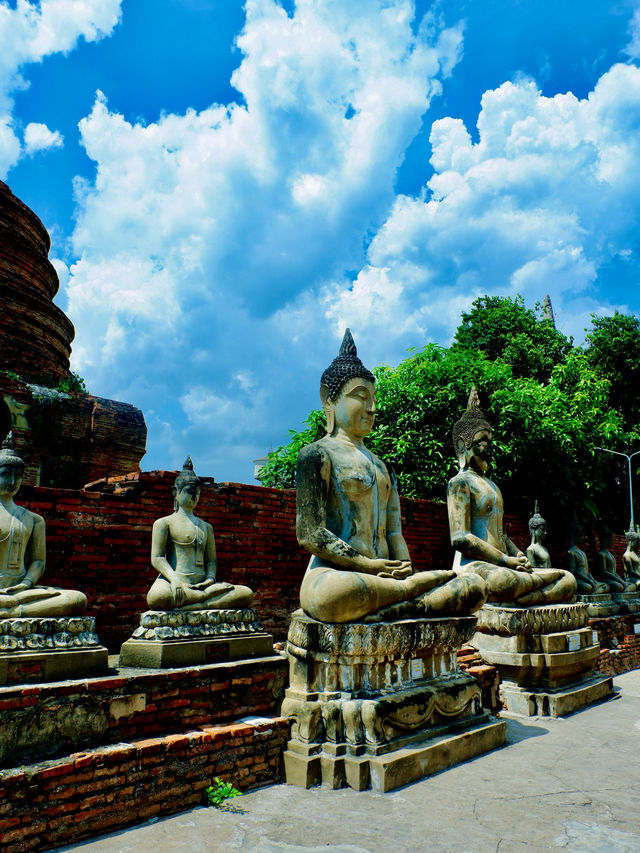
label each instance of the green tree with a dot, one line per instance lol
(613, 351)
(502, 328)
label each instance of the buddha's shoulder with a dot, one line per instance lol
(26, 515)
(467, 479)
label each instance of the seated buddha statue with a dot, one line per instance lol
(476, 514)
(537, 554)
(606, 564)
(631, 558)
(348, 518)
(579, 565)
(183, 551)
(22, 552)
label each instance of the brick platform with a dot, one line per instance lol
(46, 720)
(104, 789)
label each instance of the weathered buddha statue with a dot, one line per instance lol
(606, 564)
(183, 551)
(537, 554)
(348, 518)
(579, 565)
(22, 552)
(476, 524)
(631, 558)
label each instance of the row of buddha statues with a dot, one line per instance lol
(375, 689)
(348, 518)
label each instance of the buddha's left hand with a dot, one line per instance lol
(524, 565)
(403, 571)
(19, 587)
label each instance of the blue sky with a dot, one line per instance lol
(228, 185)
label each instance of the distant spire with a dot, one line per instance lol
(547, 310)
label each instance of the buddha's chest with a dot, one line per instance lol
(358, 477)
(15, 530)
(486, 498)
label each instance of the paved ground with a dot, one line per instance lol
(571, 784)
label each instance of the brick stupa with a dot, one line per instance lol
(66, 438)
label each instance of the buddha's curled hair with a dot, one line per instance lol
(344, 367)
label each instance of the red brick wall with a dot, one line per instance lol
(84, 794)
(99, 542)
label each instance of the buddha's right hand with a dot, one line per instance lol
(397, 569)
(519, 563)
(179, 593)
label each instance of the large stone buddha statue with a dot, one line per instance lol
(606, 564)
(476, 524)
(579, 565)
(631, 557)
(22, 552)
(348, 518)
(183, 551)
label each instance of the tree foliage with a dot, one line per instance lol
(613, 351)
(503, 328)
(546, 433)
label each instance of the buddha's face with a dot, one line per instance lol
(479, 454)
(539, 532)
(10, 479)
(355, 407)
(188, 495)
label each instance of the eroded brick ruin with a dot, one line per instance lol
(66, 438)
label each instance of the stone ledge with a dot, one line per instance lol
(405, 638)
(510, 620)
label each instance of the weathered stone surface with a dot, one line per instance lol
(364, 690)
(559, 702)
(65, 632)
(193, 637)
(599, 605)
(509, 620)
(545, 668)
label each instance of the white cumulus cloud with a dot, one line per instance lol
(200, 227)
(38, 137)
(29, 32)
(544, 200)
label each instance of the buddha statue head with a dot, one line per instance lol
(633, 539)
(186, 487)
(339, 381)
(11, 468)
(606, 537)
(537, 525)
(576, 534)
(472, 436)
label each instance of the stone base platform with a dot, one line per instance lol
(381, 704)
(546, 656)
(628, 602)
(600, 606)
(557, 702)
(195, 637)
(34, 650)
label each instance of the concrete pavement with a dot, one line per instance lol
(559, 784)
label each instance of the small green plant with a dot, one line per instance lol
(216, 794)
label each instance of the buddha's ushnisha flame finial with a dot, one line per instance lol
(471, 422)
(188, 464)
(345, 366)
(8, 452)
(536, 519)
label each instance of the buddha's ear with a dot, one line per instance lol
(461, 453)
(329, 407)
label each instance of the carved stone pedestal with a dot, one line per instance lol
(33, 650)
(628, 602)
(381, 704)
(193, 637)
(599, 606)
(545, 656)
